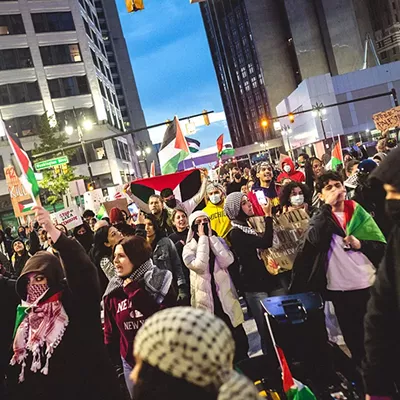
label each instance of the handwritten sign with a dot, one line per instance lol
(18, 194)
(69, 217)
(387, 119)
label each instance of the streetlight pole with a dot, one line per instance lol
(143, 149)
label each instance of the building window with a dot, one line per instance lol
(116, 149)
(66, 87)
(254, 82)
(60, 54)
(251, 68)
(19, 93)
(94, 57)
(15, 58)
(67, 118)
(384, 54)
(53, 22)
(243, 71)
(87, 28)
(394, 50)
(23, 126)
(103, 92)
(247, 86)
(11, 25)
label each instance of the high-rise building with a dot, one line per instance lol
(385, 16)
(274, 45)
(54, 60)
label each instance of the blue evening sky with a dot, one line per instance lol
(172, 63)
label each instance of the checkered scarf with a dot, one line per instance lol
(157, 282)
(42, 328)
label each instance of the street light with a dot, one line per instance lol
(319, 111)
(143, 150)
(264, 123)
(69, 130)
(286, 131)
(87, 125)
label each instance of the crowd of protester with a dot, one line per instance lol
(149, 307)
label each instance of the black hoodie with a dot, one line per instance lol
(80, 367)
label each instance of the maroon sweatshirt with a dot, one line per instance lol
(125, 311)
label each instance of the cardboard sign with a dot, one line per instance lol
(19, 196)
(69, 217)
(288, 230)
(122, 204)
(387, 119)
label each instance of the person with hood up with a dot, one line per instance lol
(208, 258)
(289, 171)
(185, 353)
(117, 219)
(20, 257)
(58, 347)
(220, 223)
(84, 235)
(381, 377)
(258, 283)
(166, 257)
(138, 290)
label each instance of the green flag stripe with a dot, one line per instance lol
(171, 166)
(30, 175)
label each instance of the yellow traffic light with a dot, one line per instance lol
(206, 119)
(64, 168)
(90, 186)
(134, 5)
(264, 123)
(291, 117)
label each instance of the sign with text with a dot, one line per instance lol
(19, 196)
(387, 119)
(51, 163)
(69, 217)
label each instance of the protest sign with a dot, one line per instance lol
(288, 230)
(386, 120)
(69, 217)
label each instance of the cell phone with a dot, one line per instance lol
(261, 197)
(134, 211)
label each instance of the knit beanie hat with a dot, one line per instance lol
(116, 215)
(192, 344)
(233, 205)
(212, 186)
(192, 218)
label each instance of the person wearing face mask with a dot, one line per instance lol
(295, 196)
(220, 223)
(237, 181)
(207, 256)
(84, 235)
(246, 243)
(58, 349)
(170, 202)
(381, 377)
(138, 290)
(338, 258)
(290, 172)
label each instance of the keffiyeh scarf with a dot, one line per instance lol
(157, 282)
(41, 330)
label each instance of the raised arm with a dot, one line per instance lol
(140, 203)
(192, 203)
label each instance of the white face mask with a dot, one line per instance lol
(287, 168)
(297, 200)
(215, 198)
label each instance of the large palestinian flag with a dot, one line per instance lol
(184, 185)
(27, 177)
(174, 148)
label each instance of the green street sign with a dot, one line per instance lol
(51, 163)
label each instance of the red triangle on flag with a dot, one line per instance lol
(220, 143)
(164, 181)
(180, 141)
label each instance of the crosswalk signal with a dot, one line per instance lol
(206, 118)
(291, 118)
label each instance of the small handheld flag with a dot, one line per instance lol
(220, 145)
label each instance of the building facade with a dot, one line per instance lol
(286, 41)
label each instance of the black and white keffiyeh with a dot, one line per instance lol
(193, 344)
(157, 282)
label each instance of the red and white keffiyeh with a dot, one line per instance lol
(42, 329)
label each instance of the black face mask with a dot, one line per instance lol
(206, 231)
(393, 210)
(238, 175)
(171, 203)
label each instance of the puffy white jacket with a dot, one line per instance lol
(196, 256)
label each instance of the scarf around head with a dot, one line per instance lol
(194, 345)
(40, 327)
(157, 282)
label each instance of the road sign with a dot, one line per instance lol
(51, 163)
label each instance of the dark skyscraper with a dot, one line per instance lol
(263, 49)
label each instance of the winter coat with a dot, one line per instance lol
(18, 262)
(165, 256)
(80, 367)
(5, 264)
(196, 256)
(382, 320)
(296, 176)
(309, 268)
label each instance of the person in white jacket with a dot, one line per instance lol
(208, 258)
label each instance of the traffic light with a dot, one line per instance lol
(90, 186)
(57, 169)
(206, 119)
(64, 168)
(134, 5)
(291, 118)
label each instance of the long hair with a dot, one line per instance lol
(154, 384)
(137, 250)
(287, 190)
(100, 250)
(158, 231)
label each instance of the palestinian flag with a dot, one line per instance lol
(227, 150)
(184, 185)
(294, 390)
(360, 224)
(174, 148)
(220, 145)
(337, 157)
(194, 145)
(27, 177)
(26, 206)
